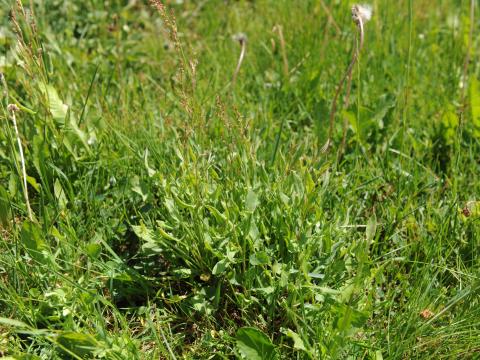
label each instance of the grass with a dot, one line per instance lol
(177, 216)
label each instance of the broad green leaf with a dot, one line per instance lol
(32, 240)
(316, 275)
(348, 317)
(217, 214)
(22, 107)
(166, 235)
(151, 172)
(32, 181)
(143, 232)
(475, 104)
(13, 185)
(265, 290)
(56, 106)
(259, 258)
(80, 344)
(201, 304)
(59, 112)
(371, 229)
(254, 233)
(60, 194)
(450, 122)
(327, 290)
(253, 344)
(252, 201)
(386, 103)
(169, 204)
(79, 133)
(298, 343)
(56, 233)
(309, 183)
(93, 250)
(40, 154)
(13, 323)
(285, 199)
(139, 187)
(220, 267)
(4, 207)
(352, 119)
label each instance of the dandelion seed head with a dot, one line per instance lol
(361, 13)
(13, 108)
(240, 37)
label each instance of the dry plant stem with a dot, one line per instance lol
(279, 29)
(349, 87)
(347, 75)
(243, 43)
(467, 57)
(330, 17)
(13, 109)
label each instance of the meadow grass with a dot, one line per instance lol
(177, 214)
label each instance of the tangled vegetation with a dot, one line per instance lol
(166, 191)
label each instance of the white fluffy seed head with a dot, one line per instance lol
(361, 13)
(240, 37)
(13, 108)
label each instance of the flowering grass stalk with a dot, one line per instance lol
(283, 47)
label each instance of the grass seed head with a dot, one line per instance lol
(157, 4)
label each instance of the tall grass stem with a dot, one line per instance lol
(242, 39)
(13, 109)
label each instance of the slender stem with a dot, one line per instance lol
(468, 55)
(331, 19)
(359, 48)
(243, 42)
(22, 160)
(349, 84)
(406, 110)
(347, 75)
(277, 142)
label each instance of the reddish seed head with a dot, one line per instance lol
(426, 314)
